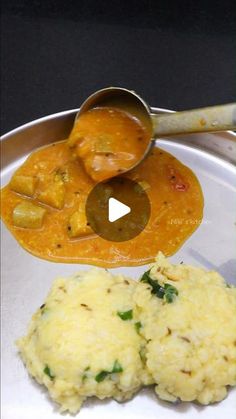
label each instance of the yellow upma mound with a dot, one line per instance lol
(103, 335)
(190, 331)
(84, 340)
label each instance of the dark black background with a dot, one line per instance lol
(176, 54)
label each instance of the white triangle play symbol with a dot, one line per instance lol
(116, 210)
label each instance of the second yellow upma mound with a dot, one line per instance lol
(189, 322)
(84, 340)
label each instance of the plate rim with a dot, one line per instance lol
(154, 109)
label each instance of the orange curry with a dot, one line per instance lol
(44, 208)
(44, 203)
(109, 141)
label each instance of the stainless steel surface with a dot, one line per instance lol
(35, 134)
(210, 119)
(26, 279)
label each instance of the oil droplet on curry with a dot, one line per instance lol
(44, 204)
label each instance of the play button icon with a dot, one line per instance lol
(118, 209)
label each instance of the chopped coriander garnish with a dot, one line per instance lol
(47, 371)
(103, 374)
(84, 376)
(116, 367)
(142, 354)
(137, 326)
(168, 292)
(125, 315)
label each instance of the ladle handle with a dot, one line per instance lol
(215, 118)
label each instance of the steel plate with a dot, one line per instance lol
(27, 279)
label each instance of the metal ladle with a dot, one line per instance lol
(210, 119)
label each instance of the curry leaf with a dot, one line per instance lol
(168, 292)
